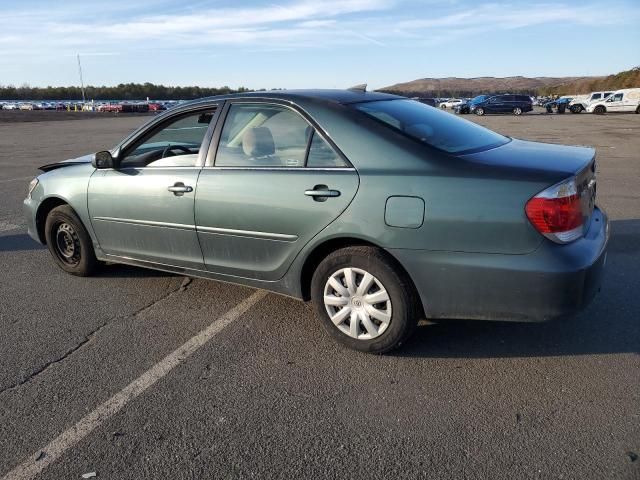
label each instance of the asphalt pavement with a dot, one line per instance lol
(137, 374)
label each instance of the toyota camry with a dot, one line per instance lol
(379, 209)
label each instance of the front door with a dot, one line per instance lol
(276, 183)
(144, 209)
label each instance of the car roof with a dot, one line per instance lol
(334, 96)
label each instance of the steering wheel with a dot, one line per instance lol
(169, 148)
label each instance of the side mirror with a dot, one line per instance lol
(102, 160)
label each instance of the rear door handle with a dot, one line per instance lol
(180, 189)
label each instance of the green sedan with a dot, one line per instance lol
(379, 209)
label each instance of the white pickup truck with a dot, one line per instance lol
(581, 102)
(625, 100)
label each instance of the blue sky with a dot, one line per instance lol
(306, 43)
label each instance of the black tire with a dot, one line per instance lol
(576, 108)
(69, 242)
(638, 109)
(517, 111)
(405, 306)
(479, 111)
(443, 107)
(599, 110)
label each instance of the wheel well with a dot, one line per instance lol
(320, 252)
(43, 212)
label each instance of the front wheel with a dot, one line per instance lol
(479, 111)
(576, 108)
(599, 110)
(69, 242)
(364, 299)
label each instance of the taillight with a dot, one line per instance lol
(557, 212)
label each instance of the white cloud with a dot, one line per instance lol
(118, 28)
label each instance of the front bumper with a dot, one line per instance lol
(554, 280)
(29, 208)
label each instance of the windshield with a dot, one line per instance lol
(432, 126)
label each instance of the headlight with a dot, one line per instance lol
(32, 185)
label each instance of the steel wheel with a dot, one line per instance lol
(357, 303)
(67, 244)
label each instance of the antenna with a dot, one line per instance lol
(81, 81)
(359, 88)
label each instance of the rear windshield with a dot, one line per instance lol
(432, 126)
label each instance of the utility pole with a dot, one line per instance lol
(81, 81)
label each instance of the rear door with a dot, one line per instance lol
(273, 181)
(615, 103)
(144, 210)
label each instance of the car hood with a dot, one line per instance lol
(66, 163)
(550, 160)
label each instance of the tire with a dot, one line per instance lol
(479, 111)
(517, 111)
(599, 110)
(396, 314)
(638, 109)
(576, 108)
(443, 107)
(69, 242)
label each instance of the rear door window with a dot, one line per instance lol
(266, 135)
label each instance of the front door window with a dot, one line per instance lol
(175, 143)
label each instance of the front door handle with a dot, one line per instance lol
(180, 189)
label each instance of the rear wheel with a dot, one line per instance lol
(638, 109)
(479, 111)
(517, 111)
(599, 110)
(576, 108)
(69, 242)
(364, 300)
(443, 107)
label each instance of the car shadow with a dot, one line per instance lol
(19, 242)
(113, 270)
(609, 325)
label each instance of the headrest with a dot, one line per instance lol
(258, 142)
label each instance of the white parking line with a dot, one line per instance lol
(7, 226)
(16, 179)
(30, 468)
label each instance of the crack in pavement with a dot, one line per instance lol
(183, 287)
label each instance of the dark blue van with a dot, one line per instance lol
(516, 104)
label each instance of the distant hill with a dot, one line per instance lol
(626, 79)
(467, 87)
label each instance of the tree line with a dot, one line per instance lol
(123, 91)
(626, 79)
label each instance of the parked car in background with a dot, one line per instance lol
(467, 107)
(580, 104)
(395, 211)
(156, 107)
(558, 105)
(516, 104)
(621, 101)
(432, 102)
(26, 106)
(451, 103)
(11, 106)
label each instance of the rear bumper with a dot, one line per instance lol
(554, 280)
